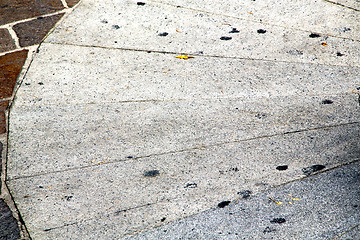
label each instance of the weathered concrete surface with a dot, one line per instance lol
(111, 135)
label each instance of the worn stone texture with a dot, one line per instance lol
(9, 229)
(126, 25)
(10, 67)
(15, 10)
(3, 107)
(324, 206)
(32, 32)
(6, 41)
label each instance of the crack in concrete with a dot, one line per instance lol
(262, 22)
(193, 54)
(342, 5)
(199, 147)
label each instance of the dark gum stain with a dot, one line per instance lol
(278, 220)
(327, 101)
(163, 219)
(234, 30)
(164, 34)
(312, 169)
(314, 35)
(226, 38)
(223, 204)
(282, 168)
(140, 3)
(245, 194)
(339, 54)
(152, 173)
(191, 185)
(261, 31)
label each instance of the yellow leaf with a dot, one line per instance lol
(184, 57)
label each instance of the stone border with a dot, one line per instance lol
(23, 26)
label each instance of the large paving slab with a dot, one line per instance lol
(162, 27)
(317, 16)
(124, 197)
(91, 75)
(325, 206)
(111, 135)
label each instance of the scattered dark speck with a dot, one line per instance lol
(68, 198)
(314, 35)
(129, 157)
(152, 173)
(40, 83)
(296, 52)
(261, 31)
(312, 169)
(225, 38)
(116, 26)
(27, 84)
(178, 6)
(234, 30)
(278, 220)
(327, 101)
(104, 21)
(40, 18)
(115, 42)
(235, 169)
(140, 3)
(163, 219)
(223, 204)
(339, 54)
(245, 194)
(355, 206)
(260, 116)
(269, 229)
(345, 29)
(41, 187)
(191, 185)
(163, 34)
(282, 168)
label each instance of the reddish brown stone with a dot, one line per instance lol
(32, 32)
(71, 3)
(10, 67)
(6, 41)
(2, 122)
(15, 10)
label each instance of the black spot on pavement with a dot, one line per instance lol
(191, 185)
(163, 34)
(104, 21)
(314, 35)
(41, 187)
(234, 30)
(27, 84)
(245, 194)
(282, 168)
(225, 38)
(68, 198)
(152, 173)
(278, 220)
(129, 157)
(163, 219)
(261, 31)
(140, 3)
(327, 101)
(312, 169)
(339, 54)
(260, 116)
(345, 29)
(116, 26)
(40, 83)
(223, 204)
(269, 230)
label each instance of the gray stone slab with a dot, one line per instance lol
(327, 207)
(121, 198)
(52, 138)
(75, 75)
(9, 229)
(315, 16)
(162, 27)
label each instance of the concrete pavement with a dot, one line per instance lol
(111, 135)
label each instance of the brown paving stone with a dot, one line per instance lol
(10, 67)
(15, 10)
(72, 3)
(32, 32)
(3, 106)
(6, 41)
